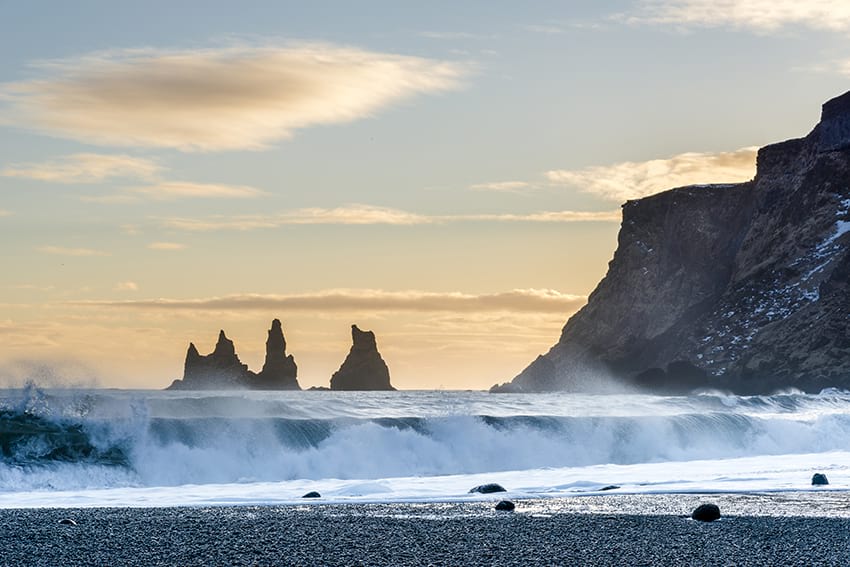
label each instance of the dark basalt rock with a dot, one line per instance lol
(312, 494)
(279, 369)
(505, 506)
(706, 513)
(742, 287)
(819, 479)
(609, 487)
(363, 368)
(487, 488)
(222, 369)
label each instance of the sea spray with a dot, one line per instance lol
(72, 439)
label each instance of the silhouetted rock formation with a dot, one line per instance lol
(222, 369)
(363, 368)
(744, 287)
(279, 369)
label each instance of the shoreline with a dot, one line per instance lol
(540, 532)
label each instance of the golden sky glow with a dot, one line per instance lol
(448, 175)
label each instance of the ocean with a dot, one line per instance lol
(144, 448)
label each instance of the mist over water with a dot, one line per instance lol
(74, 440)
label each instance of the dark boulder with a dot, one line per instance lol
(312, 494)
(609, 487)
(505, 506)
(706, 513)
(67, 522)
(487, 488)
(363, 368)
(819, 479)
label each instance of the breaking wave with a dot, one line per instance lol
(94, 439)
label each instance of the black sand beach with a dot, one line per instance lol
(540, 533)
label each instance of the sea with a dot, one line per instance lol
(146, 448)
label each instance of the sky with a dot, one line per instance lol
(446, 174)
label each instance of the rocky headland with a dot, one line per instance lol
(363, 368)
(741, 287)
(222, 369)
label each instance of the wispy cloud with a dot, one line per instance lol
(518, 300)
(762, 16)
(836, 66)
(502, 186)
(243, 97)
(631, 180)
(169, 190)
(454, 35)
(84, 168)
(126, 286)
(546, 216)
(63, 251)
(369, 215)
(174, 190)
(169, 246)
(548, 29)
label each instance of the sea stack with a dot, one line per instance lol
(279, 369)
(742, 287)
(222, 369)
(363, 368)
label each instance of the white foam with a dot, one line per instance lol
(539, 446)
(745, 475)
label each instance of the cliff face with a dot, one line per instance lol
(363, 368)
(222, 369)
(741, 287)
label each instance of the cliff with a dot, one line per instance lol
(741, 287)
(222, 369)
(363, 368)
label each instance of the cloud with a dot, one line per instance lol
(507, 186)
(632, 180)
(174, 190)
(169, 190)
(546, 216)
(547, 29)
(62, 251)
(762, 16)
(833, 66)
(126, 286)
(84, 168)
(518, 300)
(369, 215)
(5, 213)
(170, 246)
(231, 98)
(454, 35)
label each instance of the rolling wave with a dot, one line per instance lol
(46, 444)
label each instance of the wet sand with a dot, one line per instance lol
(576, 531)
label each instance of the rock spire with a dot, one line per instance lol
(363, 368)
